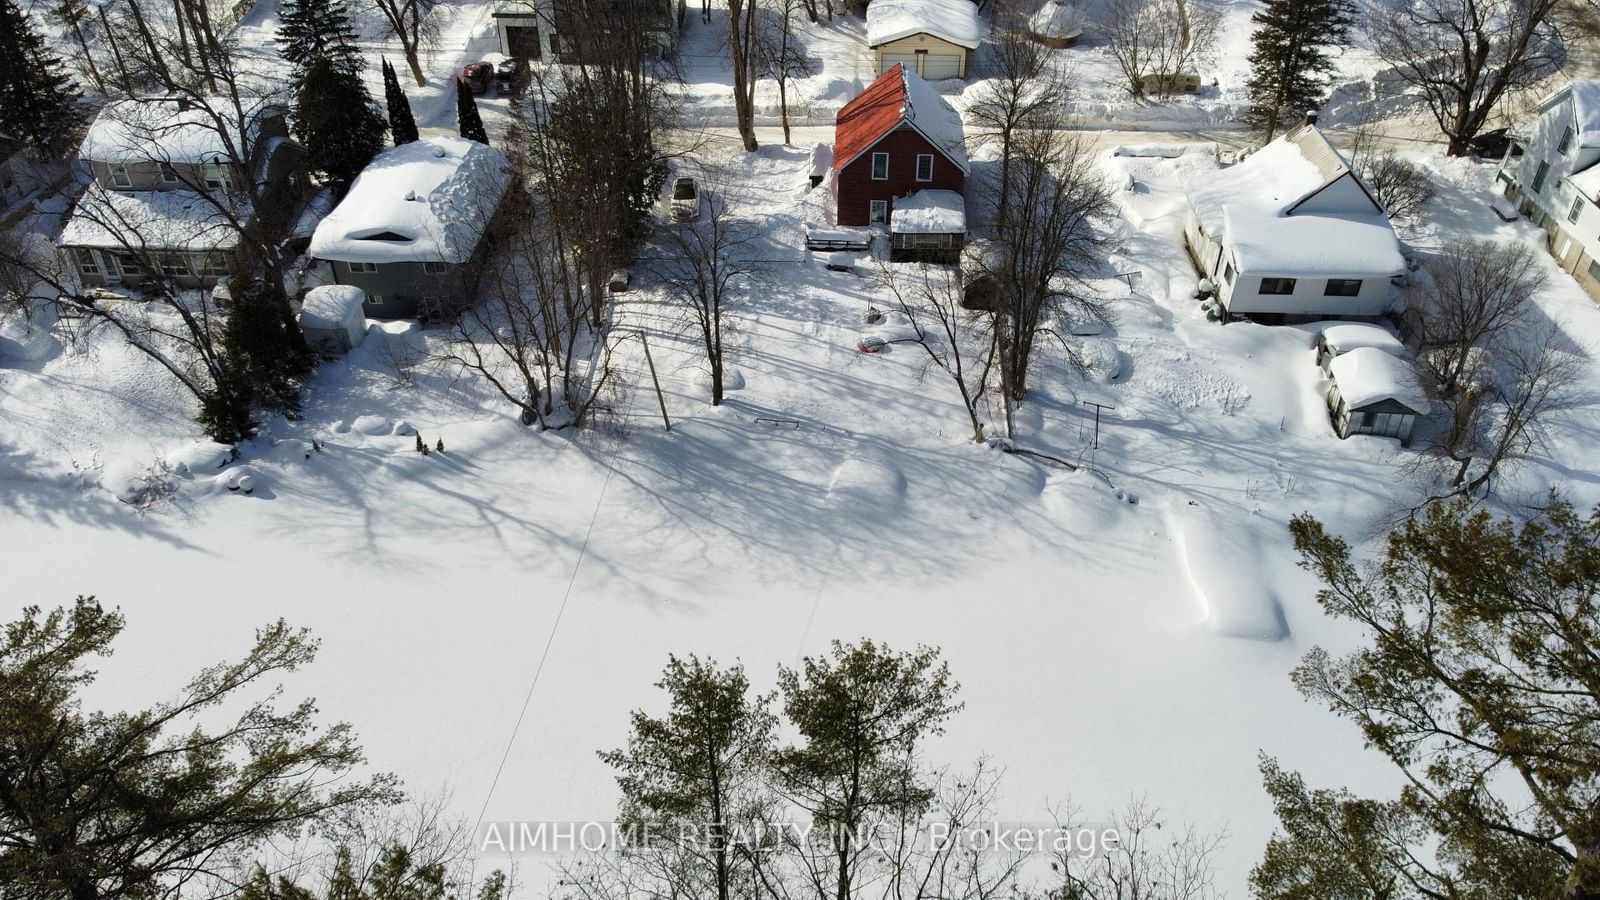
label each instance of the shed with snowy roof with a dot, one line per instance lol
(930, 226)
(897, 138)
(933, 38)
(331, 317)
(1291, 234)
(1373, 392)
(415, 221)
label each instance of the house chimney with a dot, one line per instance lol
(1311, 117)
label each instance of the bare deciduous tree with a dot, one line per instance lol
(706, 268)
(1150, 860)
(1463, 57)
(780, 54)
(744, 57)
(955, 340)
(410, 23)
(1018, 92)
(1161, 38)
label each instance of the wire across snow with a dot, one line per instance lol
(426, 201)
(955, 21)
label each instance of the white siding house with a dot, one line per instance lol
(1551, 176)
(1291, 234)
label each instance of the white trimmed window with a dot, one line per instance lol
(924, 166)
(88, 262)
(377, 299)
(880, 166)
(169, 175)
(878, 212)
(174, 266)
(1577, 208)
(1566, 141)
(362, 267)
(120, 176)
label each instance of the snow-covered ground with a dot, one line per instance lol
(1122, 635)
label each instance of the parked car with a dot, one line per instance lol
(1491, 144)
(685, 199)
(505, 76)
(620, 281)
(477, 76)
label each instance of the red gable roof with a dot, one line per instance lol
(874, 113)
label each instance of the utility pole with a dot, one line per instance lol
(1097, 408)
(661, 399)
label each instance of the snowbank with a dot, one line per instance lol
(1223, 558)
(929, 212)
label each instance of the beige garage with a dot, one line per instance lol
(934, 38)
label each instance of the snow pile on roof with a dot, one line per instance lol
(150, 220)
(331, 306)
(1347, 336)
(953, 20)
(931, 114)
(1367, 375)
(929, 212)
(1057, 20)
(132, 131)
(312, 213)
(1253, 206)
(426, 201)
(1309, 245)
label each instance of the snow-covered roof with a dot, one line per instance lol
(1587, 182)
(133, 131)
(332, 306)
(898, 96)
(1056, 19)
(1256, 206)
(150, 220)
(955, 21)
(1347, 336)
(1312, 245)
(929, 212)
(426, 201)
(1367, 375)
(1585, 93)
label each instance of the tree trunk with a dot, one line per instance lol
(414, 63)
(783, 108)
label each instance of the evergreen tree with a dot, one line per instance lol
(1290, 64)
(318, 29)
(402, 124)
(468, 122)
(131, 805)
(38, 100)
(699, 765)
(336, 121)
(1480, 683)
(264, 348)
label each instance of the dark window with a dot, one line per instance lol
(434, 268)
(88, 263)
(1368, 418)
(880, 166)
(1594, 269)
(879, 212)
(1338, 287)
(169, 174)
(1227, 274)
(1277, 285)
(1566, 142)
(924, 166)
(120, 177)
(1539, 176)
(362, 267)
(1577, 208)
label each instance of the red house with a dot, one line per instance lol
(899, 137)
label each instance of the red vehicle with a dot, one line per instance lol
(478, 76)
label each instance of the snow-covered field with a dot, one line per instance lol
(1122, 635)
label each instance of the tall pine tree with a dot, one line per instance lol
(336, 121)
(468, 122)
(318, 29)
(265, 348)
(1290, 64)
(402, 124)
(38, 100)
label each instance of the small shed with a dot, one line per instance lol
(1056, 24)
(331, 317)
(1337, 340)
(930, 226)
(1374, 392)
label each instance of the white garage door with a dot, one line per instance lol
(939, 66)
(909, 60)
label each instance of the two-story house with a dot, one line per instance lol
(581, 31)
(168, 198)
(414, 226)
(899, 138)
(1550, 175)
(1291, 234)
